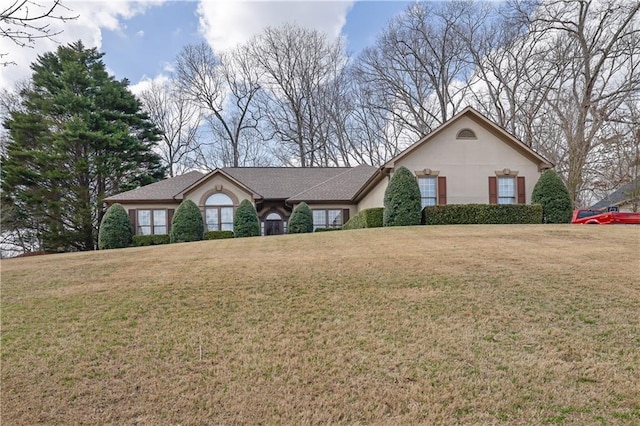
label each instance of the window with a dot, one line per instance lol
(151, 222)
(506, 190)
(327, 219)
(588, 213)
(218, 212)
(428, 192)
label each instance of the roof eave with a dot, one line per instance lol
(140, 201)
(371, 182)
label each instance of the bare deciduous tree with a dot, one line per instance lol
(179, 121)
(226, 86)
(597, 44)
(25, 21)
(298, 65)
(512, 74)
(421, 65)
(616, 161)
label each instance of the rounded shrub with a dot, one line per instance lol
(301, 220)
(245, 221)
(402, 205)
(187, 224)
(552, 194)
(115, 229)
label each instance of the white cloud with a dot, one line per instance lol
(93, 17)
(227, 23)
(145, 83)
(140, 33)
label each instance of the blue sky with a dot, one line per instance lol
(142, 38)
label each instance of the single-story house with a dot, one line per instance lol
(468, 159)
(626, 198)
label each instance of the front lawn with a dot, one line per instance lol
(514, 324)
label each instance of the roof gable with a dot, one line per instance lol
(206, 178)
(498, 131)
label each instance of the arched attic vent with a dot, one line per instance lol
(466, 134)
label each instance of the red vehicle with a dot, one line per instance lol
(610, 216)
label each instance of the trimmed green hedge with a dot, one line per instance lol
(327, 229)
(464, 214)
(367, 218)
(218, 235)
(150, 240)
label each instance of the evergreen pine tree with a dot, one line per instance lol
(80, 137)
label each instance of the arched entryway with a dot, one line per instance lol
(274, 224)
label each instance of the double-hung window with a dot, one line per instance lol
(506, 190)
(428, 193)
(327, 218)
(152, 222)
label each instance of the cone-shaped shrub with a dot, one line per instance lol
(552, 194)
(402, 205)
(187, 224)
(115, 229)
(301, 220)
(245, 221)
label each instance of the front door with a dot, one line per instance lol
(273, 227)
(273, 224)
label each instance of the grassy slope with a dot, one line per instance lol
(468, 324)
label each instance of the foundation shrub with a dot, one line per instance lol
(465, 214)
(218, 235)
(115, 228)
(301, 220)
(554, 197)
(150, 240)
(367, 218)
(187, 224)
(402, 205)
(245, 221)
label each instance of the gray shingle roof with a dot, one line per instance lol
(342, 187)
(282, 182)
(160, 191)
(297, 184)
(619, 196)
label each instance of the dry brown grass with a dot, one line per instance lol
(436, 325)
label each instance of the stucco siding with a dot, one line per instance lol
(468, 163)
(375, 196)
